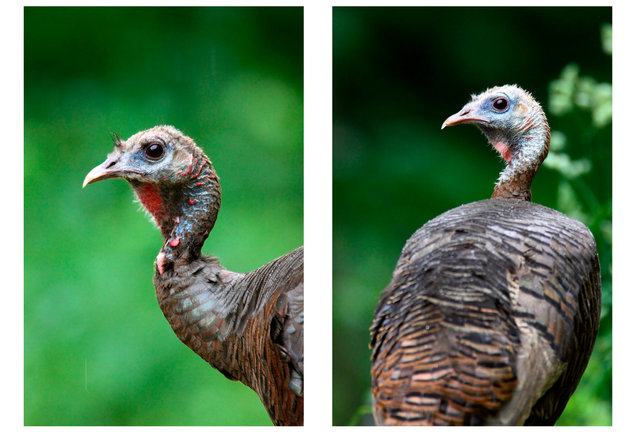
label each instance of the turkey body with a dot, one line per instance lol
(493, 308)
(452, 351)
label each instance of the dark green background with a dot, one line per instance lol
(97, 349)
(398, 74)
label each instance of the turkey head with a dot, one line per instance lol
(174, 181)
(516, 126)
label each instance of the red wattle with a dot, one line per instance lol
(503, 149)
(151, 200)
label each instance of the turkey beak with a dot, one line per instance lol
(465, 116)
(109, 169)
(101, 172)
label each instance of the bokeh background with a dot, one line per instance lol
(97, 349)
(398, 74)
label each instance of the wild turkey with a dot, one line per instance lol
(249, 326)
(493, 308)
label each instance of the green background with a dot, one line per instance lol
(398, 74)
(97, 349)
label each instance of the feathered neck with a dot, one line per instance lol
(524, 151)
(185, 211)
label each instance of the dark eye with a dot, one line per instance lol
(154, 151)
(500, 104)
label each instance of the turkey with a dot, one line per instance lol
(247, 325)
(493, 307)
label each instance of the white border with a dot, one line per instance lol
(318, 216)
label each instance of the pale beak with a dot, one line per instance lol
(109, 169)
(464, 116)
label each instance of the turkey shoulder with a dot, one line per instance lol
(249, 326)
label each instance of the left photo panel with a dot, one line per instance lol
(184, 307)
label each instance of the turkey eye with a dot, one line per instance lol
(154, 151)
(500, 104)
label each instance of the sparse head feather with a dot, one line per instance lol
(117, 141)
(510, 89)
(164, 147)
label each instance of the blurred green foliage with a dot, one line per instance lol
(97, 350)
(398, 73)
(573, 94)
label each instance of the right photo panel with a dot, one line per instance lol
(472, 265)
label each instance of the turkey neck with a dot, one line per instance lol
(185, 210)
(528, 146)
